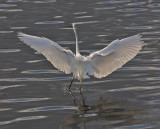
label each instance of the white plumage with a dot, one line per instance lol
(60, 58)
(115, 55)
(100, 63)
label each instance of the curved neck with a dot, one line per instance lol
(76, 36)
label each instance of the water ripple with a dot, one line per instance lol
(49, 108)
(135, 88)
(132, 10)
(154, 94)
(11, 10)
(151, 33)
(101, 36)
(139, 68)
(34, 79)
(156, 11)
(35, 61)
(14, 0)
(156, 21)
(5, 109)
(105, 8)
(79, 13)
(7, 5)
(113, 2)
(22, 100)
(151, 39)
(9, 50)
(18, 28)
(157, 101)
(139, 27)
(50, 22)
(41, 71)
(136, 3)
(6, 87)
(3, 17)
(88, 115)
(44, 1)
(5, 32)
(154, 5)
(58, 16)
(66, 28)
(139, 126)
(22, 119)
(9, 69)
(84, 17)
(87, 22)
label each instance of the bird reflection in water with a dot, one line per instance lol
(106, 113)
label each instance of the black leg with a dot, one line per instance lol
(71, 83)
(74, 99)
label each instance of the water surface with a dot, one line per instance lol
(32, 91)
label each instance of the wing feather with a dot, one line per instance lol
(60, 58)
(114, 56)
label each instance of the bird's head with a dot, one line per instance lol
(76, 26)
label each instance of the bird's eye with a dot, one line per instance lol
(78, 26)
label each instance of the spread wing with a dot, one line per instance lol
(114, 56)
(60, 58)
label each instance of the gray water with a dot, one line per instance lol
(32, 91)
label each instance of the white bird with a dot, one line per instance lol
(99, 63)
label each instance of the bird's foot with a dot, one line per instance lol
(80, 89)
(69, 89)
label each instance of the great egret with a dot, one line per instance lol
(99, 63)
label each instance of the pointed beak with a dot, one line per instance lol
(79, 27)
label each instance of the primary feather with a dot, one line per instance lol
(60, 58)
(115, 55)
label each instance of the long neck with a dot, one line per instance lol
(77, 48)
